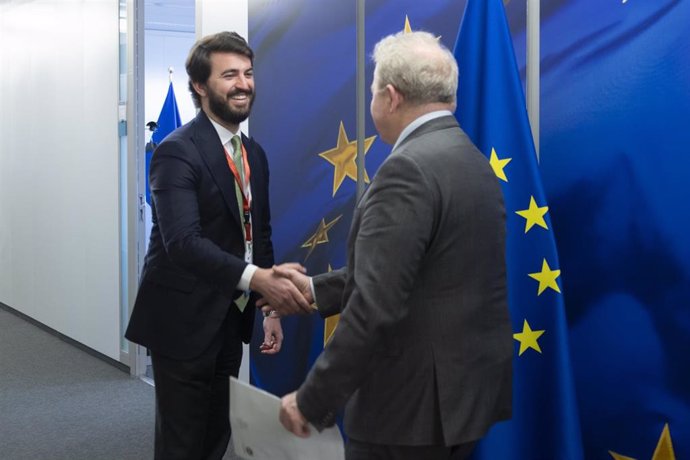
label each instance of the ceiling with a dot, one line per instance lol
(169, 15)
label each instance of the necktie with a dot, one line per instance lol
(236, 142)
(237, 154)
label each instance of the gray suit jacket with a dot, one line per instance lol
(422, 353)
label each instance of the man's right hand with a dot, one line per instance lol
(298, 278)
(280, 292)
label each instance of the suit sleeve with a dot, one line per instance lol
(395, 229)
(174, 182)
(328, 290)
(263, 245)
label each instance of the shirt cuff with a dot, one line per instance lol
(246, 278)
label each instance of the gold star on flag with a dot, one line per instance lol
(528, 338)
(343, 157)
(320, 236)
(498, 164)
(330, 323)
(546, 278)
(329, 328)
(534, 215)
(620, 457)
(407, 28)
(664, 448)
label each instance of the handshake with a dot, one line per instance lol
(285, 289)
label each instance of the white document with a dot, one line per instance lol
(258, 434)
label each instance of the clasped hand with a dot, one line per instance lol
(284, 288)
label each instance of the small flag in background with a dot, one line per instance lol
(168, 121)
(169, 118)
(491, 110)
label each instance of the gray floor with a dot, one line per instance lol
(59, 402)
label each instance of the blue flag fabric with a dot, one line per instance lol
(169, 117)
(615, 91)
(168, 121)
(491, 110)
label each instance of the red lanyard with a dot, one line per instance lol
(244, 190)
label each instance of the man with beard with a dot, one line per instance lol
(210, 254)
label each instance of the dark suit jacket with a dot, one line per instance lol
(422, 353)
(196, 250)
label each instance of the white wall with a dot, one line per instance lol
(59, 169)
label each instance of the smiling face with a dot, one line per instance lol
(228, 94)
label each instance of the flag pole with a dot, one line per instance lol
(170, 74)
(532, 91)
(361, 100)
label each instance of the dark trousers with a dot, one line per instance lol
(192, 397)
(358, 450)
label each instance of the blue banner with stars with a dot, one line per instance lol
(304, 117)
(613, 113)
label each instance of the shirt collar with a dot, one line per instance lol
(419, 122)
(223, 133)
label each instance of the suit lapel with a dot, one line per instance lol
(212, 152)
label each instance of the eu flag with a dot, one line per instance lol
(169, 118)
(491, 110)
(168, 121)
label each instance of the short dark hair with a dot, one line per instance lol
(198, 63)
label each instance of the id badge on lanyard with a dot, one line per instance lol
(248, 252)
